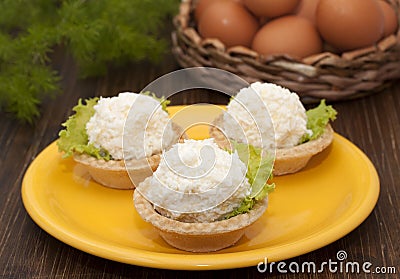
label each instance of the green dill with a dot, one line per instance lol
(97, 33)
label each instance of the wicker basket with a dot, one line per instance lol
(325, 75)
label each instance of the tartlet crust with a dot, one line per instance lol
(287, 160)
(116, 173)
(291, 160)
(199, 237)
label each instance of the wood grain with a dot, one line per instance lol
(26, 251)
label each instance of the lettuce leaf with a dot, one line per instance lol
(74, 137)
(317, 119)
(259, 171)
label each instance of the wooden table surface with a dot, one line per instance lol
(27, 251)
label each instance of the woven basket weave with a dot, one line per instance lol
(325, 75)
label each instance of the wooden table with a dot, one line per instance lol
(27, 251)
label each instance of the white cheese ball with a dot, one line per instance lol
(130, 126)
(287, 113)
(247, 120)
(197, 181)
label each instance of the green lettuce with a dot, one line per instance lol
(317, 119)
(74, 137)
(259, 170)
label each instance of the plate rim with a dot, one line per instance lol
(136, 256)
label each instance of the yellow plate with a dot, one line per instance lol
(308, 210)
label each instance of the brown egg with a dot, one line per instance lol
(271, 8)
(201, 6)
(204, 4)
(390, 18)
(292, 35)
(307, 9)
(229, 22)
(349, 25)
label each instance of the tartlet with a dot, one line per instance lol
(199, 237)
(118, 140)
(201, 210)
(291, 158)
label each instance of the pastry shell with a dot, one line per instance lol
(287, 160)
(293, 159)
(199, 237)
